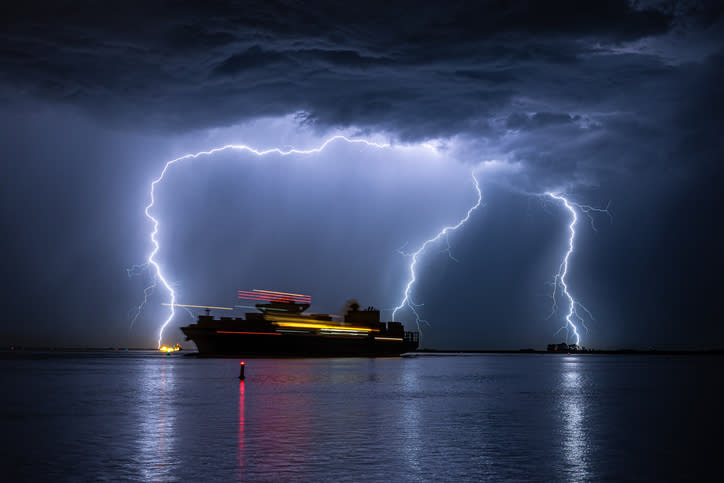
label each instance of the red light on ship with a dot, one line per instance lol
(267, 297)
(273, 296)
(285, 294)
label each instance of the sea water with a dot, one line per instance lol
(525, 417)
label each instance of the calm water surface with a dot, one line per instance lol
(527, 417)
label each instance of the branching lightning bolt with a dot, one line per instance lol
(560, 277)
(407, 298)
(135, 271)
(146, 293)
(158, 274)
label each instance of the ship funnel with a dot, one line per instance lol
(350, 306)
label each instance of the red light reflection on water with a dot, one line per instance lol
(241, 425)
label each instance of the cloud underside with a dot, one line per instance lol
(513, 78)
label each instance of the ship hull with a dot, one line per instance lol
(220, 343)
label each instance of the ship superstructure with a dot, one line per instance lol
(283, 328)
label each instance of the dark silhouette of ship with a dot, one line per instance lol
(281, 328)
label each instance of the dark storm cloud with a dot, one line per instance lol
(229, 62)
(413, 70)
(519, 120)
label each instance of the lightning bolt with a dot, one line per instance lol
(407, 299)
(146, 293)
(135, 271)
(560, 277)
(158, 275)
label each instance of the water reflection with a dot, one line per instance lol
(279, 425)
(414, 437)
(156, 441)
(572, 405)
(240, 452)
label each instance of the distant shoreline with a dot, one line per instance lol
(583, 352)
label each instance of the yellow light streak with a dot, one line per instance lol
(199, 306)
(389, 338)
(290, 322)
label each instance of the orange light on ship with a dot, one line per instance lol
(167, 349)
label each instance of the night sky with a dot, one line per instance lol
(607, 102)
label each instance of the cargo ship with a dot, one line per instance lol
(283, 328)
